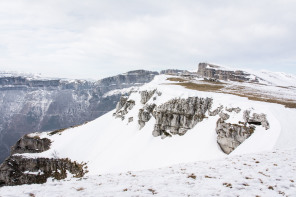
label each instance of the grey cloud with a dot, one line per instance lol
(93, 39)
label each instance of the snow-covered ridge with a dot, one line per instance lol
(117, 146)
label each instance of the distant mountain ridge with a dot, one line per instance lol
(30, 104)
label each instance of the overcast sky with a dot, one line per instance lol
(96, 38)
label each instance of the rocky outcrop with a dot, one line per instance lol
(230, 136)
(30, 104)
(177, 116)
(211, 71)
(17, 170)
(146, 95)
(256, 119)
(235, 109)
(224, 116)
(30, 145)
(144, 114)
(216, 111)
(172, 72)
(123, 106)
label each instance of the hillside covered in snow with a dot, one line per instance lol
(206, 125)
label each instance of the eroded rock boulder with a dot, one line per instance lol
(123, 106)
(256, 119)
(177, 116)
(146, 95)
(230, 136)
(145, 114)
(216, 111)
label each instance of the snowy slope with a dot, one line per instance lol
(264, 174)
(111, 145)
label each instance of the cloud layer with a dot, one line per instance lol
(94, 39)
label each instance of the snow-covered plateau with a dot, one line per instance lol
(178, 135)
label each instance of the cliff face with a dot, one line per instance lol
(30, 105)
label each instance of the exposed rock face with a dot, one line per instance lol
(17, 170)
(30, 145)
(256, 119)
(34, 104)
(236, 109)
(216, 72)
(172, 71)
(216, 111)
(144, 114)
(146, 95)
(224, 116)
(179, 115)
(123, 106)
(230, 136)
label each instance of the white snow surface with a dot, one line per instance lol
(262, 174)
(111, 145)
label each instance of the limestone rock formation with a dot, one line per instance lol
(216, 72)
(235, 109)
(256, 119)
(123, 106)
(177, 116)
(17, 170)
(224, 116)
(216, 111)
(146, 95)
(30, 145)
(144, 114)
(230, 136)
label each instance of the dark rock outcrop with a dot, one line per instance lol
(30, 145)
(177, 116)
(17, 170)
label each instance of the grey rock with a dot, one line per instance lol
(230, 136)
(246, 115)
(146, 95)
(130, 119)
(178, 115)
(236, 109)
(259, 119)
(30, 145)
(17, 170)
(123, 107)
(216, 111)
(217, 73)
(144, 114)
(224, 116)
(256, 119)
